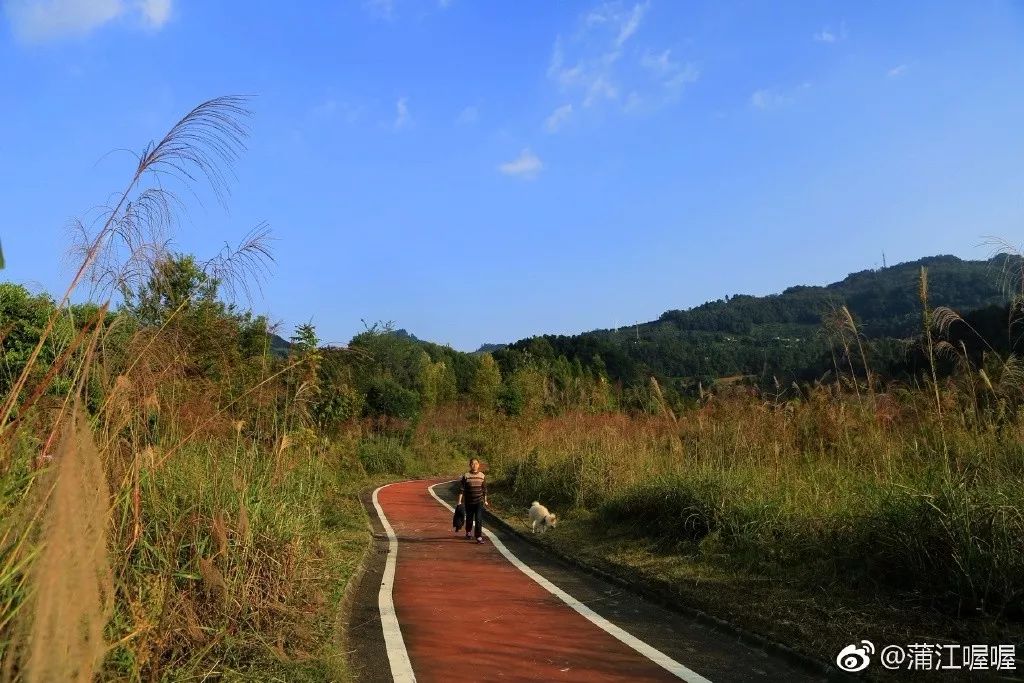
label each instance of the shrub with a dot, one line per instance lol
(384, 455)
(386, 397)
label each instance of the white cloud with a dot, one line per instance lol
(827, 35)
(824, 36)
(688, 73)
(43, 20)
(468, 116)
(36, 21)
(631, 24)
(634, 102)
(557, 71)
(527, 165)
(767, 98)
(659, 63)
(156, 12)
(558, 118)
(599, 15)
(599, 41)
(384, 9)
(897, 71)
(672, 75)
(402, 117)
(600, 88)
(592, 65)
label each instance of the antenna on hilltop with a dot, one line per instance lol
(883, 260)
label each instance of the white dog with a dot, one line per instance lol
(540, 515)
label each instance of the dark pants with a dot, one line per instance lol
(475, 519)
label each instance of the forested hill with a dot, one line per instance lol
(885, 302)
(776, 335)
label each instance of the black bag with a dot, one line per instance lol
(460, 517)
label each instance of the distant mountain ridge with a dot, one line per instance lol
(279, 346)
(780, 333)
(777, 335)
(489, 348)
(885, 301)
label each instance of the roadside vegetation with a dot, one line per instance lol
(178, 484)
(178, 495)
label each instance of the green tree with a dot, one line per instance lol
(304, 340)
(437, 382)
(177, 282)
(387, 353)
(386, 397)
(531, 385)
(486, 383)
(181, 299)
(22, 319)
(338, 399)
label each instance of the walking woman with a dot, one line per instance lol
(474, 492)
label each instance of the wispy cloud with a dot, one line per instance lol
(768, 98)
(526, 166)
(827, 35)
(558, 118)
(824, 36)
(596, 63)
(660, 63)
(601, 88)
(384, 9)
(156, 12)
(35, 21)
(468, 116)
(402, 116)
(325, 109)
(674, 76)
(557, 70)
(631, 24)
(598, 43)
(897, 71)
(334, 110)
(389, 10)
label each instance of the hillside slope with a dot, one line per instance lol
(778, 335)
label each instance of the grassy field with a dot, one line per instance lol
(221, 561)
(810, 521)
(226, 560)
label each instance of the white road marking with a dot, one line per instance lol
(656, 656)
(398, 656)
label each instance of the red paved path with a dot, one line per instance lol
(467, 614)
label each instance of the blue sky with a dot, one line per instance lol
(484, 171)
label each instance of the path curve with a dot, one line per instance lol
(450, 609)
(468, 613)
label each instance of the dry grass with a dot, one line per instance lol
(227, 531)
(827, 487)
(827, 504)
(70, 578)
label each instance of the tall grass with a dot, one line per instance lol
(900, 489)
(166, 509)
(815, 492)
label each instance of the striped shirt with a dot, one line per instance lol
(474, 488)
